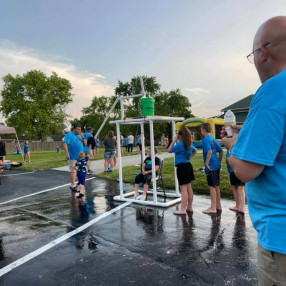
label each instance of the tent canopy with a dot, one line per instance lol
(7, 130)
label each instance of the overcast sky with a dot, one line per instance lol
(197, 46)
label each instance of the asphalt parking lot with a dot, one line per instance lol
(49, 237)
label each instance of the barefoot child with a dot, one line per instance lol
(184, 151)
(237, 187)
(212, 166)
(27, 151)
(80, 166)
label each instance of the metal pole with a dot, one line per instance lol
(121, 107)
(142, 86)
(175, 171)
(21, 150)
(153, 161)
(142, 143)
(119, 160)
(106, 117)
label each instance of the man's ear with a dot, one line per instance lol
(264, 54)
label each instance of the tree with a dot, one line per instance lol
(35, 104)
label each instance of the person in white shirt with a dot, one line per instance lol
(130, 142)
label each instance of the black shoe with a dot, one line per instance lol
(80, 196)
(74, 189)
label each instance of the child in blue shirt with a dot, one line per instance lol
(237, 188)
(212, 166)
(81, 168)
(184, 151)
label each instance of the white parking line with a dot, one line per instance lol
(44, 191)
(55, 242)
(17, 174)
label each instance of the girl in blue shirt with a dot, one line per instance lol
(27, 151)
(184, 151)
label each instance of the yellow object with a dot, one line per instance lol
(194, 124)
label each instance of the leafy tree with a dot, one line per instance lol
(35, 104)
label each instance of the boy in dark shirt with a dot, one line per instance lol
(81, 167)
(146, 175)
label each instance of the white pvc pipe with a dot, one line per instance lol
(142, 86)
(153, 161)
(21, 150)
(119, 160)
(121, 108)
(142, 142)
(175, 171)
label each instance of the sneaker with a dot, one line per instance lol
(89, 172)
(143, 198)
(110, 170)
(74, 188)
(135, 196)
(80, 196)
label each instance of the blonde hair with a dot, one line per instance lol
(110, 134)
(81, 155)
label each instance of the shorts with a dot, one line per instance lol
(81, 178)
(87, 154)
(185, 173)
(72, 165)
(271, 267)
(145, 179)
(109, 155)
(234, 181)
(213, 178)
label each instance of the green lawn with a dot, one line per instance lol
(199, 185)
(44, 160)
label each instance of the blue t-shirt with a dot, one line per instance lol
(229, 169)
(75, 145)
(96, 142)
(26, 148)
(82, 164)
(125, 141)
(209, 143)
(262, 140)
(86, 136)
(181, 154)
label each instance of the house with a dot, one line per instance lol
(239, 108)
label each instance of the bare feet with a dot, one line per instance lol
(210, 211)
(179, 213)
(234, 208)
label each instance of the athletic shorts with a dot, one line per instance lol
(234, 181)
(144, 179)
(72, 165)
(185, 173)
(81, 178)
(109, 155)
(87, 154)
(213, 178)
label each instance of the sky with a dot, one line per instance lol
(197, 46)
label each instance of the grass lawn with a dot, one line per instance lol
(44, 160)
(199, 185)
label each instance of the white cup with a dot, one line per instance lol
(229, 131)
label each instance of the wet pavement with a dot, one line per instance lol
(133, 246)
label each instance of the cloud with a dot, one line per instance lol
(197, 90)
(18, 60)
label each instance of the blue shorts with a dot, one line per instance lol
(109, 155)
(81, 178)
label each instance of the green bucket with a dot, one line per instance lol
(147, 106)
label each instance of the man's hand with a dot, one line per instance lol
(208, 167)
(229, 141)
(235, 130)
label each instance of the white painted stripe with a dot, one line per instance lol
(17, 174)
(44, 191)
(55, 242)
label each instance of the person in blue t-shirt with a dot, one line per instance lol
(258, 151)
(237, 188)
(184, 151)
(212, 166)
(87, 149)
(146, 175)
(27, 151)
(73, 145)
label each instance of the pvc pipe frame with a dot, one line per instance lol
(124, 197)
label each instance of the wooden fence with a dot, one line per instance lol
(35, 146)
